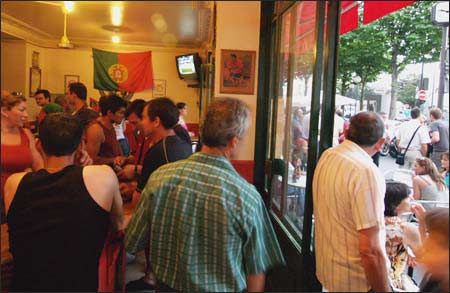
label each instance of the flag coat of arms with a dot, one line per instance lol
(131, 72)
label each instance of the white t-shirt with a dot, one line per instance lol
(406, 131)
(348, 196)
(119, 128)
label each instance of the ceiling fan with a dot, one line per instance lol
(66, 7)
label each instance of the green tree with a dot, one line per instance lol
(361, 52)
(407, 90)
(410, 38)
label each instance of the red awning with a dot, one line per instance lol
(376, 9)
(349, 16)
(372, 11)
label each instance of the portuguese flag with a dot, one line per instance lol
(131, 72)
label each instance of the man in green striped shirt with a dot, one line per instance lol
(209, 228)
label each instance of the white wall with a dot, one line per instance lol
(238, 28)
(55, 63)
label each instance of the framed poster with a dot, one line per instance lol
(35, 59)
(35, 80)
(237, 72)
(159, 88)
(68, 79)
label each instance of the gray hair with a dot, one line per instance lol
(225, 118)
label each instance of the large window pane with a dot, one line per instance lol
(280, 106)
(301, 110)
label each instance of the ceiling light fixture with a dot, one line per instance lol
(116, 15)
(68, 6)
(115, 39)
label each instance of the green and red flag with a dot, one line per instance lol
(131, 72)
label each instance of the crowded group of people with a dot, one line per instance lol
(362, 241)
(66, 190)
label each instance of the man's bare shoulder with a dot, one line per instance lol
(99, 172)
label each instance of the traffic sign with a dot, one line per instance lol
(422, 95)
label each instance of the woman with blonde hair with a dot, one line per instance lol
(18, 153)
(18, 145)
(428, 183)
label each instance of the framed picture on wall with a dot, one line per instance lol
(159, 88)
(237, 72)
(68, 79)
(35, 80)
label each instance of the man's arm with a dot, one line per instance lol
(255, 283)
(424, 149)
(103, 186)
(94, 139)
(37, 161)
(11, 187)
(373, 259)
(435, 137)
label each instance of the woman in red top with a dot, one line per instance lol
(18, 153)
(18, 147)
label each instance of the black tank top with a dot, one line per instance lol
(56, 233)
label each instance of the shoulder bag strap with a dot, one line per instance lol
(409, 143)
(165, 150)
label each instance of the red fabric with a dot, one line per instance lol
(349, 16)
(140, 72)
(15, 158)
(376, 9)
(108, 259)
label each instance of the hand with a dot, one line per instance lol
(411, 235)
(126, 190)
(82, 158)
(127, 172)
(119, 160)
(419, 211)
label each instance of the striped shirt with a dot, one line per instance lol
(348, 196)
(209, 228)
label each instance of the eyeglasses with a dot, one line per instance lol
(16, 93)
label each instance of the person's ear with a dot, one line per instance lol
(234, 142)
(157, 121)
(380, 143)
(4, 114)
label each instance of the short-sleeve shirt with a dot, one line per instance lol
(176, 149)
(441, 127)
(209, 228)
(348, 195)
(406, 132)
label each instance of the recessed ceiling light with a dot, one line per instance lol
(115, 39)
(116, 15)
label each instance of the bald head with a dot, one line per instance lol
(365, 129)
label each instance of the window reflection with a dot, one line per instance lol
(300, 109)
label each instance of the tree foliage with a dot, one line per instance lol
(362, 51)
(407, 90)
(389, 44)
(410, 38)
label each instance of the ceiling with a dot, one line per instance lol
(151, 23)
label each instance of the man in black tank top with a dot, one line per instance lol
(58, 216)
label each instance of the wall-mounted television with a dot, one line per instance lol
(188, 66)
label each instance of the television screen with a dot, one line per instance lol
(187, 66)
